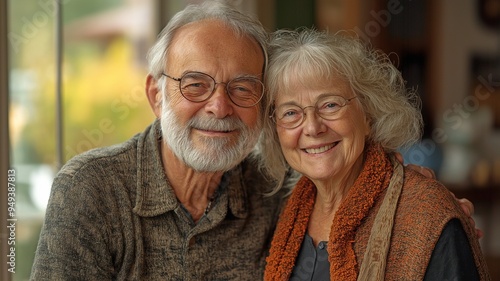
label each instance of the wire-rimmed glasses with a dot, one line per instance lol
(328, 107)
(198, 87)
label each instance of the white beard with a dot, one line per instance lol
(216, 154)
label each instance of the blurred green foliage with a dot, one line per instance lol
(103, 84)
(103, 98)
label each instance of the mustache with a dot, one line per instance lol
(214, 124)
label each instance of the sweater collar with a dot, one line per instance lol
(155, 196)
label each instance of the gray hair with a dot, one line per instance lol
(242, 24)
(310, 56)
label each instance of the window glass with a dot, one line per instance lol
(104, 70)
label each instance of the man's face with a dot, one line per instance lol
(214, 135)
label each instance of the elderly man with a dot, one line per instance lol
(182, 200)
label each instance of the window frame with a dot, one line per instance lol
(4, 137)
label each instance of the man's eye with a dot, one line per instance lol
(195, 85)
(239, 90)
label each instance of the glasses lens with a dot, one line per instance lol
(245, 92)
(329, 106)
(196, 86)
(288, 115)
(291, 116)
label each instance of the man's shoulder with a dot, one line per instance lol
(254, 176)
(260, 185)
(116, 155)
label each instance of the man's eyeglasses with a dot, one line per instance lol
(199, 87)
(328, 107)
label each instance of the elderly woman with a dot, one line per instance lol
(338, 111)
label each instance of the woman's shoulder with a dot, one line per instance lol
(421, 190)
(426, 205)
(424, 210)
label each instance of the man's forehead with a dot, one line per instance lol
(213, 40)
(206, 30)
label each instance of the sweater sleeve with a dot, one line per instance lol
(452, 257)
(73, 242)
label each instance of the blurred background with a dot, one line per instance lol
(72, 79)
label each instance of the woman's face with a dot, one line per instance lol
(322, 149)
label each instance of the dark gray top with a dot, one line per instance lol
(312, 262)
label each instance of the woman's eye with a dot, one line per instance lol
(289, 114)
(331, 105)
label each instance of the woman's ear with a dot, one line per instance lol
(368, 126)
(154, 95)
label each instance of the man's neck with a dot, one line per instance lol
(193, 189)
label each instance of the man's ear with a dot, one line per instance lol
(154, 95)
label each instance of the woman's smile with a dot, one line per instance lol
(321, 149)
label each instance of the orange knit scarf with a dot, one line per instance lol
(292, 226)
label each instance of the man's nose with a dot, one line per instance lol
(219, 104)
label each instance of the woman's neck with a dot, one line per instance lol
(329, 197)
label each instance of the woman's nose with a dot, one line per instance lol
(313, 123)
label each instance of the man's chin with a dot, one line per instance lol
(219, 159)
(213, 166)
